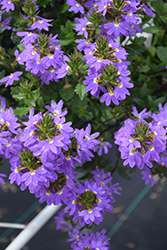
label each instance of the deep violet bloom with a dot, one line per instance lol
(96, 240)
(3, 24)
(89, 204)
(139, 141)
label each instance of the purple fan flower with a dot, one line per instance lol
(81, 26)
(29, 37)
(1, 178)
(35, 65)
(104, 145)
(89, 204)
(11, 78)
(41, 23)
(96, 240)
(7, 5)
(115, 29)
(3, 24)
(18, 58)
(56, 109)
(147, 176)
(108, 97)
(139, 141)
(142, 115)
(147, 10)
(3, 104)
(75, 6)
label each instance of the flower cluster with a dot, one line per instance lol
(89, 201)
(42, 55)
(107, 74)
(43, 152)
(80, 241)
(142, 142)
(47, 152)
(43, 148)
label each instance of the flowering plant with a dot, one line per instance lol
(62, 78)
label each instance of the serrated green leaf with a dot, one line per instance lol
(151, 29)
(80, 90)
(162, 54)
(21, 111)
(67, 94)
(17, 94)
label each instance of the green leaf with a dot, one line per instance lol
(36, 94)
(64, 8)
(41, 103)
(17, 94)
(67, 94)
(76, 103)
(139, 102)
(80, 90)
(151, 29)
(66, 42)
(122, 172)
(162, 54)
(144, 68)
(150, 101)
(2, 73)
(43, 2)
(21, 111)
(30, 101)
(20, 47)
(152, 50)
(159, 100)
(159, 6)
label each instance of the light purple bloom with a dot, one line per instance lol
(147, 176)
(7, 5)
(29, 37)
(41, 23)
(11, 78)
(75, 6)
(1, 178)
